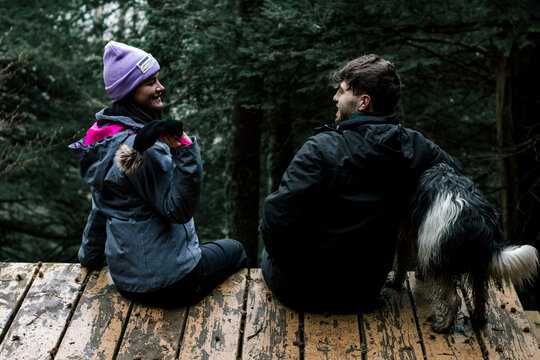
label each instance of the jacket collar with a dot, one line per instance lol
(104, 120)
(359, 119)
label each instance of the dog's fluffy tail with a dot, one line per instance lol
(516, 264)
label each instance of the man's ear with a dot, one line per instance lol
(364, 102)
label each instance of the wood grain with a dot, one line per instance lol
(213, 325)
(332, 336)
(14, 280)
(54, 304)
(152, 333)
(391, 331)
(96, 326)
(534, 321)
(41, 319)
(507, 334)
(460, 344)
(272, 330)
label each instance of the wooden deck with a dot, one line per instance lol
(61, 311)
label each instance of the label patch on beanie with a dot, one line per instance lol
(146, 63)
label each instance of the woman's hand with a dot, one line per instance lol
(172, 140)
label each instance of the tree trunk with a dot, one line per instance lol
(518, 131)
(243, 189)
(280, 146)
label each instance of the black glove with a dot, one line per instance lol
(148, 135)
(130, 160)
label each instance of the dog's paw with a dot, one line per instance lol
(441, 326)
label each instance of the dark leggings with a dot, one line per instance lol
(219, 260)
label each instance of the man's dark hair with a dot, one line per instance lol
(372, 75)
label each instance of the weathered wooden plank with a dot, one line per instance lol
(14, 280)
(391, 331)
(460, 344)
(332, 336)
(272, 330)
(96, 324)
(152, 333)
(508, 334)
(213, 325)
(534, 321)
(40, 321)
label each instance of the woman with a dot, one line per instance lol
(141, 223)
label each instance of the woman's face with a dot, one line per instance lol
(148, 94)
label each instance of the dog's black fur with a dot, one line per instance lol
(458, 238)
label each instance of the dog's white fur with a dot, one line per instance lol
(516, 264)
(440, 217)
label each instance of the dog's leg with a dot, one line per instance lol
(480, 296)
(401, 257)
(446, 303)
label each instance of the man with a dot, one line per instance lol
(331, 228)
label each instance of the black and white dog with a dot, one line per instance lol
(458, 239)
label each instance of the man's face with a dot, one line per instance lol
(346, 102)
(148, 94)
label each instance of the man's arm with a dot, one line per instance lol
(424, 154)
(285, 211)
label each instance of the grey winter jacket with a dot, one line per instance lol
(141, 225)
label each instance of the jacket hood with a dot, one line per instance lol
(95, 160)
(105, 120)
(359, 119)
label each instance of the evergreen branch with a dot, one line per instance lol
(454, 28)
(17, 200)
(450, 61)
(475, 47)
(33, 230)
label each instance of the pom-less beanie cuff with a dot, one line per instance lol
(125, 67)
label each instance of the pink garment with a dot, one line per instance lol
(95, 133)
(184, 142)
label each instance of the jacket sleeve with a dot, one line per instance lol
(170, 180)
(284, 218)
(92, 251)
(423, 154)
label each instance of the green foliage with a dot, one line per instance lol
(280, 54)
(48, 99)
(272, 55)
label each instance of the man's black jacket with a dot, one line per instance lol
(339, 204)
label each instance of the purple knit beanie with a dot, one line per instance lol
(125, 67)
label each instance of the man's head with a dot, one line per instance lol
(367, 83)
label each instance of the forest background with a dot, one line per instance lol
(251, 79)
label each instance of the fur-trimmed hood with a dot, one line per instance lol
(95, 159)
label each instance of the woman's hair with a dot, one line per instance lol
(128, 107)
(372, 75)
